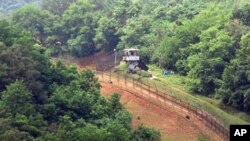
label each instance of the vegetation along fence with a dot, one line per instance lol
(167, 99)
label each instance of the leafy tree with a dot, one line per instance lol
(118, 132)
(47, 100)
(90, 132)
(177, 47)
(243, 14)
(134, 33)
(106, 34)
(79, 25)
(146, 134)
(124, 117)
(57, 6)
(235, 88)
(208, 65)
(247, 101)
(36, 20)
(11, 34)
(27, 64)
(17, 99)
(114, 104)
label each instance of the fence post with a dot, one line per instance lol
(133, 83)
(148, 86)
(157, 94)
(202, 117)
(126, 80)
(110, 76)
(102, 73)
(141, 87)
(164, 101)
(208, 122)
(212, 123)
(156, 88)
(196, 112)
(118, 76)
(219, 129)
(211, 126)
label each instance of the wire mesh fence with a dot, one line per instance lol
(108, 63)
(145, 89)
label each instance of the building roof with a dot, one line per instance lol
(131, 49)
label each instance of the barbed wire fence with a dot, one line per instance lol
(164, 99)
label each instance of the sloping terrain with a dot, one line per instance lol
(168, 117)
(172, 125)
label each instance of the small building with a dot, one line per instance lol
(131, 58)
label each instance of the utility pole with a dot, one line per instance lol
(115, 57)
(110, 81)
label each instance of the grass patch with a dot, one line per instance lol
(174, 85)
(202, 138)
(226, 116)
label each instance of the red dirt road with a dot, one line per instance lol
(172, 126)
(171, 121)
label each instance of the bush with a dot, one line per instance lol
(147, 134)
(202, 138)
(143, 73)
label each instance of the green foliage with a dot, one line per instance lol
(11, 34)
(17, 99)
(207, 49)
(247, 101)
(200, 48)
(40, 100)
(235, 88)
(206, 41)
(143, 73)
(134, 32)
(114, 103)
(208, 65)
(26, 68)
(243, 14)
(79, 25)
(106, 34)
(36, 20)
(147, 134)
(57, 6)
(202, 138)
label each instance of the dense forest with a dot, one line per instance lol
(207, 41)
(42, 100)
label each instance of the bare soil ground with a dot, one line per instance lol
(172, 126)
(90, 62)
(170, 122)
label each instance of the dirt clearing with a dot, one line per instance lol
(170, 122)
(172, 126)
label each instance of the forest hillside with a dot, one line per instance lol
(42, 100)
(207, 42)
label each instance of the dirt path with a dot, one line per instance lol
(171, 120)
(172, 126)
